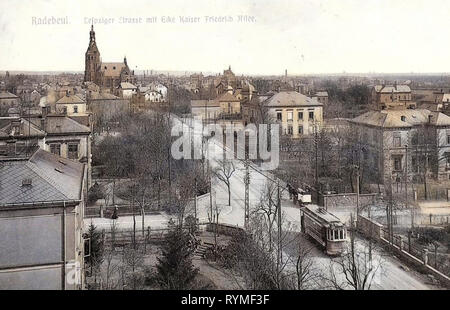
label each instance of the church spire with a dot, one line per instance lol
(92, 33)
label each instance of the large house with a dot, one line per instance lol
(41, 221)
(391, 97)
(58, 134)
(394, 140)
(72, 105)
(298, 114)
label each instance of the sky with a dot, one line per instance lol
(302, 36)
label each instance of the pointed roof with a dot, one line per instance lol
(71, 99)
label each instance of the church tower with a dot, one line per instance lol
(92, 60)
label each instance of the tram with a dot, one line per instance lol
(325, 228)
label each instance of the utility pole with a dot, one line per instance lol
(247, 202)
(406, 186)
(195, 199)
(357, 192)
(280, 250)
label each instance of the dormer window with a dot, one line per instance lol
(403, 118)
(114, 68)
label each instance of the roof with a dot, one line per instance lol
(402, 118)
(26, 129)
(392, 89)
(60, 124)
(71, 99)
(7, 95)
(323, 215)
(112, 68)
(227, 97)
(291, 98)
(53, 178)
(126, 85)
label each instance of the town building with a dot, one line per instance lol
(71, 105)
(321, 96)
(298, 114)
(41, 221)
(391, 97)
(407, 144)
(57, 134)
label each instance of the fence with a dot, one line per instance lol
(419, 256)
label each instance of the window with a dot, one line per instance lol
(414, 164)
(415, 138)
(64, 110)
(279, 116)
(397, 162)
(300, 116)
(290, 131)
(447, 160)
(55, 148)
(448, 136)
(73, 150)
(300, 130)
(397, 139)
(311, 115)
(75, 109)
(289, 115)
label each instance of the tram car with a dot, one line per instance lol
(325, 228)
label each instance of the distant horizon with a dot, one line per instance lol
(183, 72)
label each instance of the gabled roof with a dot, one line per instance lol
(71, 99)
(291, 98)
(402, 118)
(52, 177)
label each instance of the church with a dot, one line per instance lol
(107, 75)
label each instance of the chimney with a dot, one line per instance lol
(429, 118)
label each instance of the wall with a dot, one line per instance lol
(370, 228)
(345, 200)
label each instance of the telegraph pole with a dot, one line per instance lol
(247, 202)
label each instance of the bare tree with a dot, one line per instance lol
(355, 269)
(224, 172)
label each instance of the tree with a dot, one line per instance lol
(304, 267)
(357, 266)
(174, 268)
(224, 172)
(95, 257)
